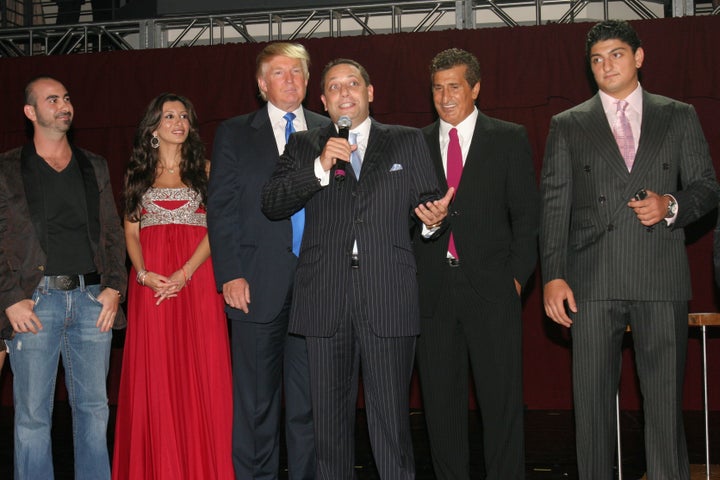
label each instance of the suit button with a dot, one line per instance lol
(358, 220)
(610, 227)
(454, 213)
(289, 249)
(649, 229)
(602, 199)
(586, 168)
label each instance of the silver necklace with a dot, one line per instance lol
(171, 170)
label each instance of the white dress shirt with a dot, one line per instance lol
(279, 123)
(465, 130)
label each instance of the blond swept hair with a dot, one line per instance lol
(285, 49)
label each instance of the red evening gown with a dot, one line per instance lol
(174, 417)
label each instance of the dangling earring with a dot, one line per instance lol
(155, 141)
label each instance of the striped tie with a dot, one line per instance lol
(355, 159)
(623, 135)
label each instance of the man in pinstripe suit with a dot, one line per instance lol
(613, 252)
(356, 297)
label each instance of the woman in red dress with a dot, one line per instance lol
(174, 415)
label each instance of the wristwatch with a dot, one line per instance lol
(672, 207)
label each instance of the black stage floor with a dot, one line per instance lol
(549, 439)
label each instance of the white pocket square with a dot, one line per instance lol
(396, 167)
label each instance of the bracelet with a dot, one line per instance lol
(187, 277)
(113, 289)
(140, 277)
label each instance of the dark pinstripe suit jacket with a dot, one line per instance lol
(244, 243)
(589, 236)
(397, 175)
(494, 216)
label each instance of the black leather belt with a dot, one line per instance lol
(354, 261)
(453, 262)
(71, 282)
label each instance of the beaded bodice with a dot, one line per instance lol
(163, 206)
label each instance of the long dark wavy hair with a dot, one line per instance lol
(143, 163)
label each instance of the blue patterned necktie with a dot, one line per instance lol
(355, 159)
(298, 218)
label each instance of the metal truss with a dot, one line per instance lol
(362, 19)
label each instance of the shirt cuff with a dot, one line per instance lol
(429, 232)
(322, 175)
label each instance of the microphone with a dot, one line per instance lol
(343, 124)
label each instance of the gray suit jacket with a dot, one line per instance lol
(397, 175)
(244, 243)
(589, 236)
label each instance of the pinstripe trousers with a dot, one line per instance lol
(386, 364)
(659, 331)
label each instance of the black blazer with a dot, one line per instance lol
(244, 243)
(377, 211)
(494, 216)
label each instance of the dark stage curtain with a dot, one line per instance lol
(529, 74)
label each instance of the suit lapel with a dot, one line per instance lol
(377, 147)
(595, 124)
(34, 196)
(313, 120)
(432, 138)
(655, 122)
(480, 148)
(261, 123)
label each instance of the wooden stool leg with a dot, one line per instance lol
(707, 408)
(617, 428)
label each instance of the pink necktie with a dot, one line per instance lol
(454, 172)
(623, 135)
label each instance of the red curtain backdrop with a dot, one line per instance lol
(529, 74)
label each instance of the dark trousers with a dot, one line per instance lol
(488, 333)
(265, 356)
(659, 331)
(386, 364)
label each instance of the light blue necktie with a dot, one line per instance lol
(355, 159)
(298, 218)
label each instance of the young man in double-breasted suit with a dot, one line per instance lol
(623, 173)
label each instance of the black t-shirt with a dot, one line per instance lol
(68, 246)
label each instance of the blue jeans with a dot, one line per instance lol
(68, 319)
